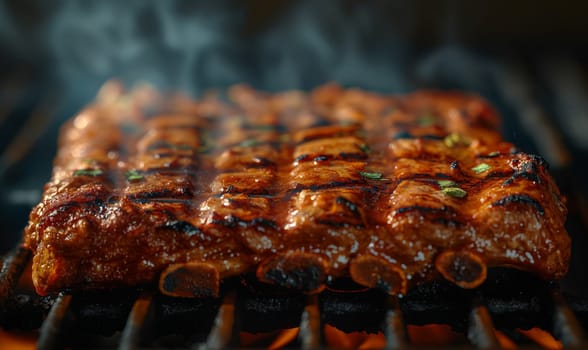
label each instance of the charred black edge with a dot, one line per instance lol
(323, 157)
(349, 205)
(182, 227)
(185, 193)
(234, 221)
(520, 198)
(333, 184)
(426, 210)
(340, 133)
(307, 279)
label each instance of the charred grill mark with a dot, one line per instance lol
(183, 227)
(300, 158)
(432, 137)
(520, 198)
(426, 210)
(528, 169)
(181, 191)
(402, 135)
(232, 221)
(230, 189)
(349, 205)
(323, 157)
(498, 174)
(319, 123)
(352, 156)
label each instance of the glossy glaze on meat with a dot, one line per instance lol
(299, 188)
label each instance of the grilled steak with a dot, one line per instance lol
(299, 188)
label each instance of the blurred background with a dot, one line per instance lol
(529, 58)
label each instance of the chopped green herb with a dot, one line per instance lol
(493, 154)
(249, 143)
(88, 172)
(364, 148)
(371, 176)
(133, 175)
(426, 120)
(446, 183)
(454, 192)
(455, 139)
(480, 168)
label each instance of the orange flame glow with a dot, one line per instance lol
(18, 340)
(505, 342)
(543, 338)
(284, 338)
(433, 334)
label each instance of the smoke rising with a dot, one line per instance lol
(197, 45)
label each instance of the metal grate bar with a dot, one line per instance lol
(12, 267)
(53, 326)
(565, 324)
(310, 324)
(131, 336)
(394, 328)
(224, 331)
(481, 329)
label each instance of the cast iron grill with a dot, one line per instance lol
(508, 301)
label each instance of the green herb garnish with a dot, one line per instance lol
(249, 143)
(133, 175)
(426, 120)
(371, 176)
(454, 192)
(493, 154)
(88, 172)
(480, 168)
(446, 183)
(455, 139)
(364, 148)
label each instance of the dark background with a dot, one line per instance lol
(529, 58)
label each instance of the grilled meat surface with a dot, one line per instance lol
(299, 188)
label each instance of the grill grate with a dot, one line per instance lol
(438, 302)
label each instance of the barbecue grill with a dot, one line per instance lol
(541, 95)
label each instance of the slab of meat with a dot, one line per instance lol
(299, 188)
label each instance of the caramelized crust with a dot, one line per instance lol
(300, 188)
